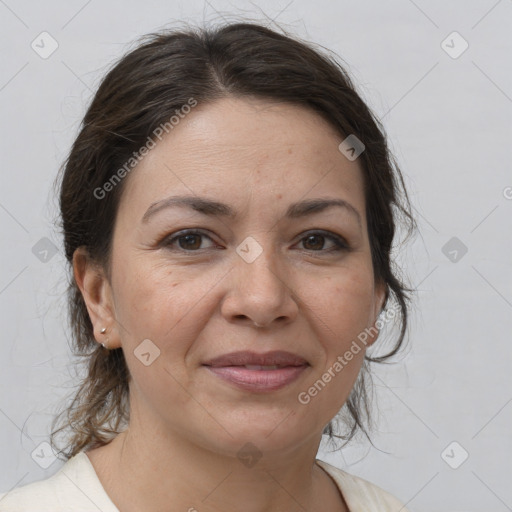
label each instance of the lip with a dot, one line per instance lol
(246, 357)
(244, 369)
(258, 380)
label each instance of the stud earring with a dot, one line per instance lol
(103, 331)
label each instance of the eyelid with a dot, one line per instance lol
(340, 243)
(173, 237)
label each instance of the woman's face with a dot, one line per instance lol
(256, 281)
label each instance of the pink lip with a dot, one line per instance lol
(258, 380)
(232, 368)
(241, 358)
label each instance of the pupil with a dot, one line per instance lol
(313, 237)
(310, 240)
(189, 241)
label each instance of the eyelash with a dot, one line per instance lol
(339, 243)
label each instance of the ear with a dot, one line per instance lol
(97, 293)
(380, 296)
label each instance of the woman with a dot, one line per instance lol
(227, 212)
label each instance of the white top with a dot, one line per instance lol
(77, 488)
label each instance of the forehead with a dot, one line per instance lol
(234, 146)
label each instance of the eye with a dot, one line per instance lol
(316, 241)
(188, 240)
(191, 240)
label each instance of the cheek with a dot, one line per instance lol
(146, 290)
(156, 303)
(167, 305)
(340, 313)
(342, 304)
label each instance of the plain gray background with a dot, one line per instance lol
(448, 118)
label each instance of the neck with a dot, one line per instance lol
(143, 471)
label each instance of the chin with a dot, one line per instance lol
(268, 432)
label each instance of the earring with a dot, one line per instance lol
(103, 331)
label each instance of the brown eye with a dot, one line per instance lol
(316, 242)
(189, 241)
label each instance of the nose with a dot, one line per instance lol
(259, 293)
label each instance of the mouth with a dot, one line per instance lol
(265, 372)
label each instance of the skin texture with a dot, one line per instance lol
(187, 425)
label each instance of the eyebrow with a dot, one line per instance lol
(216, 209)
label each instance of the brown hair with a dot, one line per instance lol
(141, 92)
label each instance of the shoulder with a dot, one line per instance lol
(73, 487)
(360, 494)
